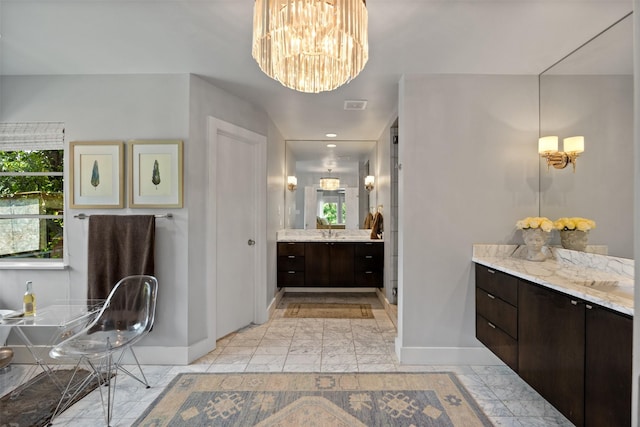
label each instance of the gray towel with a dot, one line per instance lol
(119, 246)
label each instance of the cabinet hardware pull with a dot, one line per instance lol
(491, 296)
(588, 306)
(368, 272)
(491, 271)
(491, 325)
(369, 256)
(291, 272)
(291, 256)
(574, 302)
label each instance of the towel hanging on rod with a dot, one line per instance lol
(85, 216)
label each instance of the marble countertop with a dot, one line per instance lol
(602, 280)
(324, 235)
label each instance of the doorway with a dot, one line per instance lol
(236, 227)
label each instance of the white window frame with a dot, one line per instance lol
(35, 136)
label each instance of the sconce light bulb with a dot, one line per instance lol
(547, 144)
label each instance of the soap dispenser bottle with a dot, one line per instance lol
(29, 301)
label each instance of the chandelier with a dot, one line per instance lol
(329, 184)
(311, 45)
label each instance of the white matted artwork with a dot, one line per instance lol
(155, 174)
(97, 174)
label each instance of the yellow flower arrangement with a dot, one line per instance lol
(574, 223)
(535, 222)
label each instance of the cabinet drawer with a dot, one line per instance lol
(290, 262)
(368, 278)
(498, 312)
(375, 249)
(368, 263)
(291, 278)
(291, 248)
(496, 340)
(498, 284)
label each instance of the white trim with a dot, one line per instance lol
(446, 356)
(33, 264)
(218, 127)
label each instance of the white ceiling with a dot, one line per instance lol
(212, 38)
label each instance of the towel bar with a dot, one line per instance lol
(85, 216)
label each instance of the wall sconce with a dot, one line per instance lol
(368, 182)
(548, 148)
(292, 183)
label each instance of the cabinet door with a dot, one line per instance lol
(608, 368)
(551, 338)
(341, 268)
(317, 264)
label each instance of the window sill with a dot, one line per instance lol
(32, 265)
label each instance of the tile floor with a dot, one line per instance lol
(315, 345)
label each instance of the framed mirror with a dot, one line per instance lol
(309, 206)
(590, 93)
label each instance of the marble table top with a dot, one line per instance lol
(603, 280)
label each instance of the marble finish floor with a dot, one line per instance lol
(315, 345)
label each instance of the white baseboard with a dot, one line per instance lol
(275, 301)
(393, 315)
(446, 356)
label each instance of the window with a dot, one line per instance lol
(332, 206)
(31, 191)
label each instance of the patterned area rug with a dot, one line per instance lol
(302, 310)
(314, 399)
(34, 404)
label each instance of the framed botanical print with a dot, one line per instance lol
(155, 173)
(97, 174)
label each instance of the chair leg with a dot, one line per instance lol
(107, 367)
(72, 390)
(142, 381)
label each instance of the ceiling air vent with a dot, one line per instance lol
(356, 104)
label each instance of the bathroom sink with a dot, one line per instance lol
(612, 287)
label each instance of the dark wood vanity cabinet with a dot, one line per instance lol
(330, 264)
(552, 347)
(576, 354)
(497, 313)
(291, 264)
(369, 265)
(608, 362)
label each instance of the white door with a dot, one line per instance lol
(237, 226)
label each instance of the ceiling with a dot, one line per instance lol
(212, 39)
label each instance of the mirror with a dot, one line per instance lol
(590, 93)
(309, 206)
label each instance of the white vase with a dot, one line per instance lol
(535, 239)
(575, 240)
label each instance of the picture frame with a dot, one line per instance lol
(97, 174)
(155, 173)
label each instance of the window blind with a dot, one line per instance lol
(31, 136)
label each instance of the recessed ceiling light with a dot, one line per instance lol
(331, 145)
(331, 135)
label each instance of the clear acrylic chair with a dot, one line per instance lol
(126, 317)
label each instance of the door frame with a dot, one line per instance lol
(215, 129)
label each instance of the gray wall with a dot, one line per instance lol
(636, 228)
(124, 107)
(469, 170)
(106, 108)
(206, 100)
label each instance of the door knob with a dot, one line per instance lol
(251, 242)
